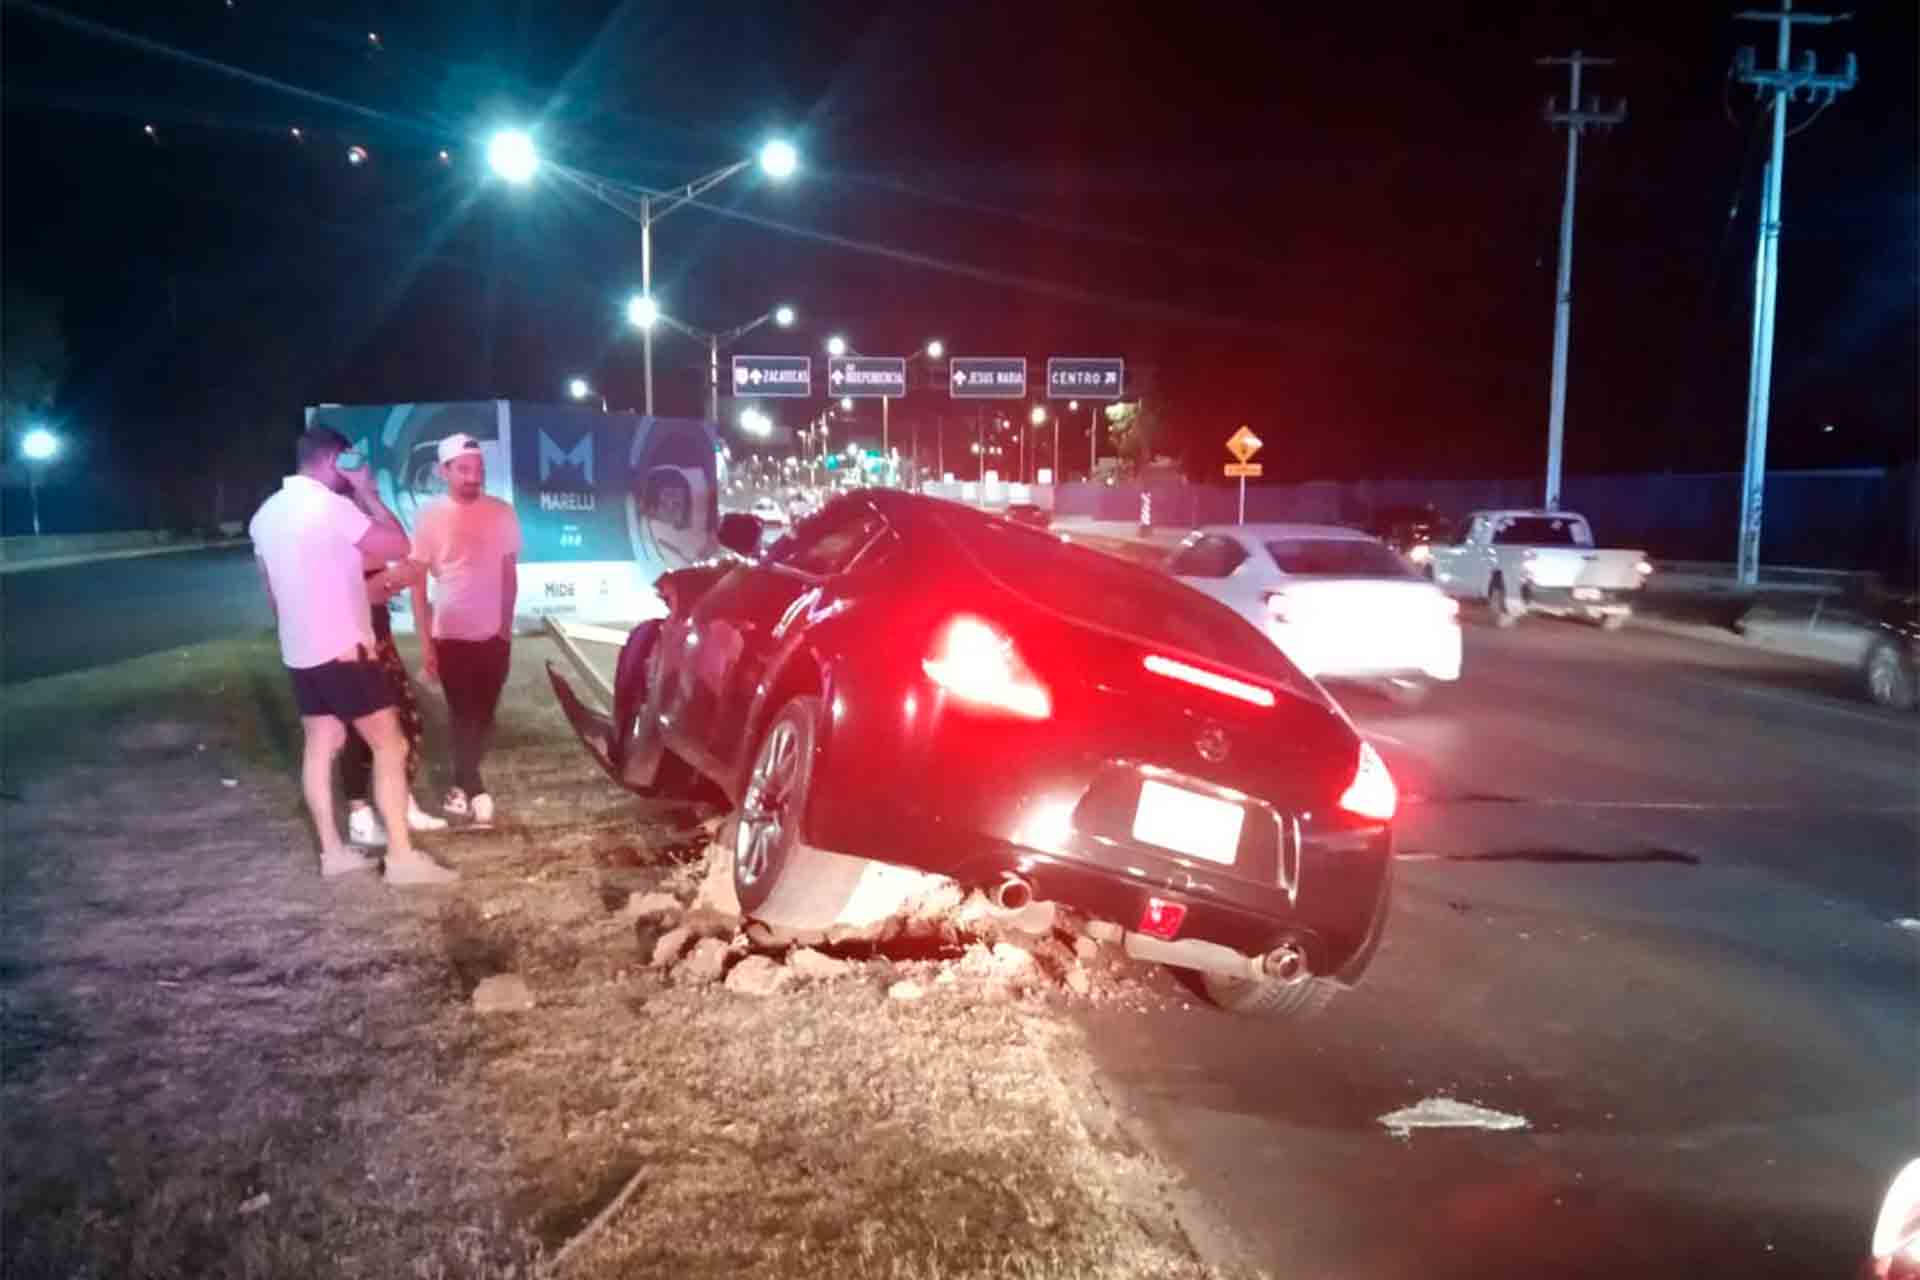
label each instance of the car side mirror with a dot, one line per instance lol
(740, 533)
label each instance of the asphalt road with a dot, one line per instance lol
(87, 615)
(1645, 901)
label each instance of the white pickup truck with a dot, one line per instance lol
(1521, 562)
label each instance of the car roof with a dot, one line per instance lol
(1282, 531)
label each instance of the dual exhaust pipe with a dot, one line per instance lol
(1013, 893)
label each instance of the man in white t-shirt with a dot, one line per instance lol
(470, 543)
(310, 540)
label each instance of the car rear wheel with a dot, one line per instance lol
(1890, 682)
(1497, 605)
(1269, 999)
(1612, 621)
(767, 831)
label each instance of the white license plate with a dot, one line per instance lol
(1586, 593)
(1188, 822)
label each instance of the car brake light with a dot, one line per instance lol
(976, 662)
(1258, 695)
(1371, 794)
(1162, 919)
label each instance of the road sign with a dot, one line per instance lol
(987, 377)
(1086, 378)
(1243, 444)
(1243, 470)
(773, 376)
(866, 377)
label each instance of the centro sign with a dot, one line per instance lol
(788, 376)
(868, 377)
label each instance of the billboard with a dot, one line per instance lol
(607, 502)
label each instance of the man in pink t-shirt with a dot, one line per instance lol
(470, 543)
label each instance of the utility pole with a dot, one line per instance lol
(1784, 85)
(1576, 120)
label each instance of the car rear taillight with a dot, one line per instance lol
(1371, 794)
(976, 662)
(1258, 695)
(1162, 919)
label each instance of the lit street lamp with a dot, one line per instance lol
(846, 404)
(38, 447)
(836, 345)
(782, 315)
(581, 389)
(643, 313)
(512, 155)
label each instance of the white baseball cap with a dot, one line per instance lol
(455, 445)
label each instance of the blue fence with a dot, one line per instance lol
(1857, 519)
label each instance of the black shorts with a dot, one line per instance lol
(347, 690)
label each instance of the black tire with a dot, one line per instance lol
(643, 762)
(1890, 681)
(1289, 1001)
(1497, 604)
(767, 836)
(1612, 621)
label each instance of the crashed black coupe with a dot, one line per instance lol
(911, 681)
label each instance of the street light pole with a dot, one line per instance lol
(646, 289)
(713, 377)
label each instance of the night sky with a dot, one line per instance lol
(1337, 223)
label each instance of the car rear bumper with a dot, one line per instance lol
(1430, 652)
(1572, 599)
(1020, 801)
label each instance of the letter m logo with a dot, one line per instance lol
(553, 458)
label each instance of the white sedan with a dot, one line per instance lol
(1339, 603)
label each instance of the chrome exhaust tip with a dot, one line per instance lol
(1011, 894)
(1286, 963)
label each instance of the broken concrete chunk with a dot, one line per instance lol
(1037, 918)
(816, 966)
(705, 963)
(1078, 981)
(906, 989)
(758, 976)
(716, 890)
(1104, 931)
(502, 993)
(671, 944)
(1086, 950)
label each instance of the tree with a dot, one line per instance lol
(33, 359)
(1135, 427)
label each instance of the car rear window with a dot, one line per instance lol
(1337, 558)
(1113, 594)
(1542, 531)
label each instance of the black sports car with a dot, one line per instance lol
(1030, 514)
(915, 682)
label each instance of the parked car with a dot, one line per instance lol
(768, 511)
(1030, 514)
(916, 682)
(1339, 603)
(1892, 665)
(1521, 562)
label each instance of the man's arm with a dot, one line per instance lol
(509, 591)
(266, 582)
(385, 539)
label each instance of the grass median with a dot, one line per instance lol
(217, 1064)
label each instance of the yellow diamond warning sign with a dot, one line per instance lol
(1243, 444)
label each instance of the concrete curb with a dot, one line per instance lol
(130, 553)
